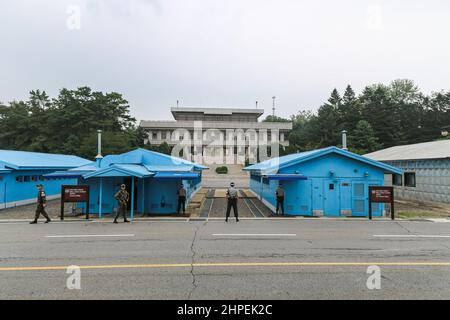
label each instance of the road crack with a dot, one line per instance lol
(193, 253)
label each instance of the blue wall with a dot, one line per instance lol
(345, 192)
(14, 193)
(153, 196)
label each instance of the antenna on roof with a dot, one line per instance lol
(99, 156)
(273, 105)
(178, 102)
(256, 105)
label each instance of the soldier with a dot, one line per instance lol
(280, 199)
(122, 197)
(41, 204)
(181, 193)
(232, 198)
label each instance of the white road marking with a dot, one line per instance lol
(254, 234)
(409, 236)
(91, 236)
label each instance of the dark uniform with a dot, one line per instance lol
(40, 209)
(232, 198)
(181, 193)
(122, 197)
(280, 200)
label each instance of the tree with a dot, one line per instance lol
(363, 139)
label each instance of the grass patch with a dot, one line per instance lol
(420, 214)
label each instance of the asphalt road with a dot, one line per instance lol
(252, 259)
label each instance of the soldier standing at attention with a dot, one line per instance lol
(232, 198)
(41, 204)
(181, 193)
(122, 197)
(280, 198)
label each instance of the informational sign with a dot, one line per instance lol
(74, 194)
(381, 195)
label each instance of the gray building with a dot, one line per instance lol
(219, 133)
(426, 170)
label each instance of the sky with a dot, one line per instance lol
(221, 53)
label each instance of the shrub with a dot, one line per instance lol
(222, 170)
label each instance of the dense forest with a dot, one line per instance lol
(380, 116)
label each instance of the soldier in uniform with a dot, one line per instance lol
(181, 193)
(232, 198)
(122, 197)
(41, 204)
(280, 198)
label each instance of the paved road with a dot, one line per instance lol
(252, 259)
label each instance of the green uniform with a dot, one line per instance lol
(122, 197)
(40, 209)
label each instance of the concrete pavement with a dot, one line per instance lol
(252, 259)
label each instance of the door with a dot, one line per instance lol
(360, 199)
(298, 197)
(2, 193)
(331, 199)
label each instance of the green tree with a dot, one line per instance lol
(363, 139)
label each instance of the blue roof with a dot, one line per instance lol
(139, 163)
(147, 157)
(34, 160)
(274, 164)
(121, 170)
(176, 175)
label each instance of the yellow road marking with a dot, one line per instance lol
(238, 264)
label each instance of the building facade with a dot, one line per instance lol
(152, 180)
(217, 135)
(21, 171)
(426, 169)
(324, 182)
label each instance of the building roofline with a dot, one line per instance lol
(218, 111)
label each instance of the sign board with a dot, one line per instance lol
(74, 194)
(381, 195)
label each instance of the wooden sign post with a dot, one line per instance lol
(381, 195)
(74, 194)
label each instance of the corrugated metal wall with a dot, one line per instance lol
(432, 180)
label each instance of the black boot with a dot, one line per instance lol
(126, 220)
(33, 222)
(48, 220)
(115, 221)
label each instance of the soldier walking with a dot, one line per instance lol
(280, 198)
(232, 198)
(41, 204)
(122, 197)
(181, 193)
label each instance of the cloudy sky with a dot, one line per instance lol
(221, 52)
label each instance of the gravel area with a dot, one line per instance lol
(27, 212)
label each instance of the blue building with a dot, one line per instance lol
(20, 171)
(152, 179)
(329, 182)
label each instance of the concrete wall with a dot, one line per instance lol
(348, 195)
(13, 193)
(432, 180)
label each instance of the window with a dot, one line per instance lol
(397, 180)
(41, 178)
(26, 178)
(410, 179)
(19, 178)
(154, 136)
(34, 178)
(331, 186)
